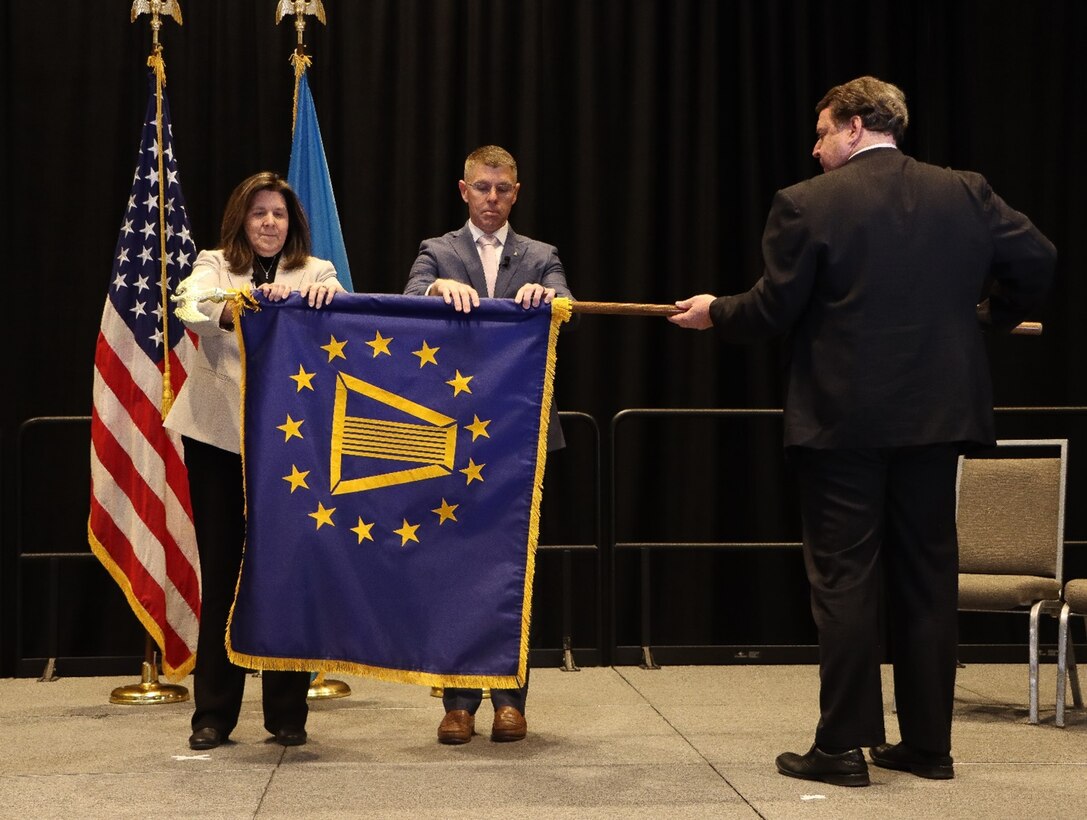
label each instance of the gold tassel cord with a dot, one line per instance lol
(301, 61)
(158, 65)
(157, 8)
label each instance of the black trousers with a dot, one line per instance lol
(880, 524)
(215, 485)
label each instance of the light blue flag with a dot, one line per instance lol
(308, 175)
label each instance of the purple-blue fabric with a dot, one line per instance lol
(450, 604)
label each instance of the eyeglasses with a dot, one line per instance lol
(503, 189)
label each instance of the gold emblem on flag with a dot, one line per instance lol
(430, 442)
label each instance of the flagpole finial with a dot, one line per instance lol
(300, 8)
(156, 8)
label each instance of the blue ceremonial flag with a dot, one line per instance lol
(308, 175)
(394, 454)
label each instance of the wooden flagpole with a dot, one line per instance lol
(643, 309)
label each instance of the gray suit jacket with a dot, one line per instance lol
(208, 407)
(523, 261)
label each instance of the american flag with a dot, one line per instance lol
(140, 523)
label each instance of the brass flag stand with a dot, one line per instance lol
(321, 688)
(149, 691)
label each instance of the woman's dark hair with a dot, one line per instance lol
(232, 239)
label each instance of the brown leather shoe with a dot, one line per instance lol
(456, 727)
(509, 724)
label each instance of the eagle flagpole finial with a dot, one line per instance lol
(156, 8)
(300, 8)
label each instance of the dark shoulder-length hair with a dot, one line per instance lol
(232, 239)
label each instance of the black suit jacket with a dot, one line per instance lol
(874, 271)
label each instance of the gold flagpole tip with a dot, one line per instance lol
(300, 8)
(156, 8)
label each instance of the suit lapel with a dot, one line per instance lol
(508, 263)
(465, 248)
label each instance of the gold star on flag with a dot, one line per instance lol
(407, 533)
(323, 516)
(363, 531)
(460, 384)
(290, 428)
(445, 512)
(303, 379)
(426, 355)
(473, 471)
(380, 344)
(297, 479)
(334, 348)
(478, 428)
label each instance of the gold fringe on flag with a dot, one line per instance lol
(560, 312)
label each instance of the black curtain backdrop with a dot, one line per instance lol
(650, 138)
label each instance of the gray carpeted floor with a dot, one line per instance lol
(680, 742)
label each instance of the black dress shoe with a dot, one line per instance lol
(291, 737)
(207, 738)
(904, 759)
(845, 769)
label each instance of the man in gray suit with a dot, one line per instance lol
(873, 272)
(486, 257)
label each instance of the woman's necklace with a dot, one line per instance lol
(266, 272)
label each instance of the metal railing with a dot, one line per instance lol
(567, 550)
(53, 557)
(644, 653)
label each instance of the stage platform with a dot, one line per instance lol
(679, 742)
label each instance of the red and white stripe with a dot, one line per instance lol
(140, 523)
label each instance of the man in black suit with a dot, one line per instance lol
(485, 256)
(873, 271)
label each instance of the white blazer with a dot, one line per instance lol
(208, 407)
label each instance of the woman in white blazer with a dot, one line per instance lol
(264, 244)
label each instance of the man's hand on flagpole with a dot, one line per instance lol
(533, 294)
(461, 296)
(696, 312)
